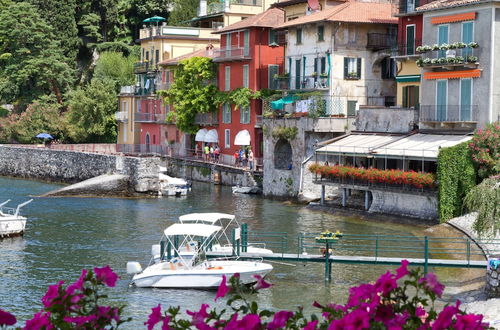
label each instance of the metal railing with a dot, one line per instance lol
(450, 57)
(448, 113)
(378, 41)
(121, 116)
(141, 67)
(206, 119)
(321, 81)
(232, 53)
(127, 89)
(407, 49)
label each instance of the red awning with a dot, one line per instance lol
(453, 74)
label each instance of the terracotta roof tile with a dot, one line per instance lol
(353, 11)
(440, 4)
(210, 53)
(270, 18)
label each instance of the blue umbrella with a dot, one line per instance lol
(44, 136)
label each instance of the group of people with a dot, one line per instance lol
(211, 153)
(244, 158)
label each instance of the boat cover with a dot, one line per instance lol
(191, 229)
(205, 217)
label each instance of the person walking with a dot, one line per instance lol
(212, 156)
(207, 153)
(217, 154)
(236, 156)
(240, 157)
(251, 159)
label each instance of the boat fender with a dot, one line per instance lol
(133, 267)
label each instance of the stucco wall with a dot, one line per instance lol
(386, 120)
(411, 205)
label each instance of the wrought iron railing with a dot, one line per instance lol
(449, 113)
(285, 82)
(121, 116)
(378, 41)
(407, 49)
(206, 119)
(141, 67)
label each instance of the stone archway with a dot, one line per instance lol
(283, 155)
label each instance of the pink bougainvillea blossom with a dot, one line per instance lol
(199, 316)
(154, 318)
(106, 275)
(223, 289)
(311, 325)
(386, 283)
(402, 271)
(51, 294)
(7, 318)
(279, 320)
(431, 282)
(78, 285)
(39, 321)
(261, 284)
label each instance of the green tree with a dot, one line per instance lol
(32, 63)
(115, 67)
(192, 92)
(91, 112)
(485, 200)
(182, 12)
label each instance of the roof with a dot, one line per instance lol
(210, 53)
(270, 18)
(442, 4)
(205, 217)
(285, 3)
(353, 12)
(191, 229)
(358, 144)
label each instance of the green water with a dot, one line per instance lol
(64, 235)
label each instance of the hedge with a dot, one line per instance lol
(456, 176)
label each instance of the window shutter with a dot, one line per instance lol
(346, 65)
(359, 68)
(405, 97)
(383, 66)
(316, 65)
(416, 97)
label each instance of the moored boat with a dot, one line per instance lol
(11, 221)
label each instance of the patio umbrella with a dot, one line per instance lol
(154, 19)
(44, 136)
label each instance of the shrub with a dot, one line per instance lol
(485, 149)
(485, 200)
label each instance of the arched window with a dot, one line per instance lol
(283, 155)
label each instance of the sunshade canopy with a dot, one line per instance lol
(191, 229)
(278, 104)
(358, 144)
(44, 136)
(200, 135)
(211, 136)
(205, 217)
(154, 19)
(242, 138)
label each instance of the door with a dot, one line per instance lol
(351, 108)
(147, 142)
(297, 74)
(466, 99)
(410, 39)
(246, 43)
(442, 38)
(441, 100)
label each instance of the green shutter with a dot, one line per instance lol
(410, 40)
(297, 74)
(405, 97)
(467, 36)
(246, 44)
(441, 99)
(346, 67)
(359, 68)
(416, 97)
(466, 99)
(323, 65)
(442, 38)
(272, 71)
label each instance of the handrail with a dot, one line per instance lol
(21, 205)
(5, 203)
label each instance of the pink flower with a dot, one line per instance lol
(78, 285)
(359, 294)
(78, 321)
(223, 289)
(431, 283)
(311, 325)
(384, 314)
(279, 320)
(108, 313)
(250, 322)
(106, 275)
(386, 283)
(7, 318)
(337, 325)
(402, 270)
(317, 305)
(199, 316)
(445, 317)
(154, 318)
(469, 322)
(40, 320)
(357, 319)
(164, 325)
(261, 284)
(398, 321)
(51, 294)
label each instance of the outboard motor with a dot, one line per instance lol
(133, 267)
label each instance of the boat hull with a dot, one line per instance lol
(205, 277)
(12, 226)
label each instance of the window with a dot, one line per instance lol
(388, 68)
(442, 38)
(245, 115)
(246, 43)
(226, 113)
(246, 81)
(441, 100)
(272, 72)
(157, 54)
(227, 138)
(147, 56)
(323, 65)
(321, 33)
(410, 39)
(283, 155)
(352, 68)
(297, 73)
(410, 6)
(228, 45)
(466, 99)
(467, 36)
(273, 40)
(227, 78)
(125, 106)
(299, 36)
(410, 96)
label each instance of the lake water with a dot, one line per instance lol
(64, 235)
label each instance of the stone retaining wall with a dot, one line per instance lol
(405, 204)
(492, 287)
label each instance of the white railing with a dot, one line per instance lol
(121, 116)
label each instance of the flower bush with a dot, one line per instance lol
(373, 175)
(485, 149)
(385, 304)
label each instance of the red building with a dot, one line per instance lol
(248, 57)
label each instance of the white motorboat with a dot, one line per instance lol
(11, 221)
(170, 186)
(183, 263)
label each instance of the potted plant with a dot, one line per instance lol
(461, 44)
(459, 59)
(435, 47)
(314, 74)
(472, 59)
(426, 61)
(444, 46)
(323, 75)
(472, 45)
(353, 75)
(442, 60)
(420, 62)
(435, 61)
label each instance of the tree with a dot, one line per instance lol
(485, 200)
(91, 113)
(115, 67)
(183, 11)
(192, 92)
(32, 62)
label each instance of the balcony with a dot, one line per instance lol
(258, 121)
(230, 54)
(406, 49)
(207, 119)
(380, 41)
(225, 6)
(121, 116)
(124, 90)
(141, 91)
(448, 56)
(163, 86)
(141, 67)
(448, 113)
(311, 82)
(142, 117)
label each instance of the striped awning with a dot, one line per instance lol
(454, 18)
(408, 78)
(453, 74)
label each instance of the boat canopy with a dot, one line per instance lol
(205, 217)
(191, 229)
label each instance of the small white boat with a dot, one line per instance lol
(11, 221)
(183, 263)
(170, 186)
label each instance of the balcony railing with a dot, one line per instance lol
(121, 116)
(127, 89)
(448, 113)
(409, 6)
(140, 91)
(302, 82)
(379, 41)
(449, 58)
(141, 67)
(206, 119)
(406, 49)
(235, 53)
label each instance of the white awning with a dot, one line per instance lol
(205, 217)
(200, 135)
(242, 138)
(419, 146)
(358, 144)
(191, 229)
(211, 136)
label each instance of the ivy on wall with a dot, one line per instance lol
(287, 133)
(456, 177)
